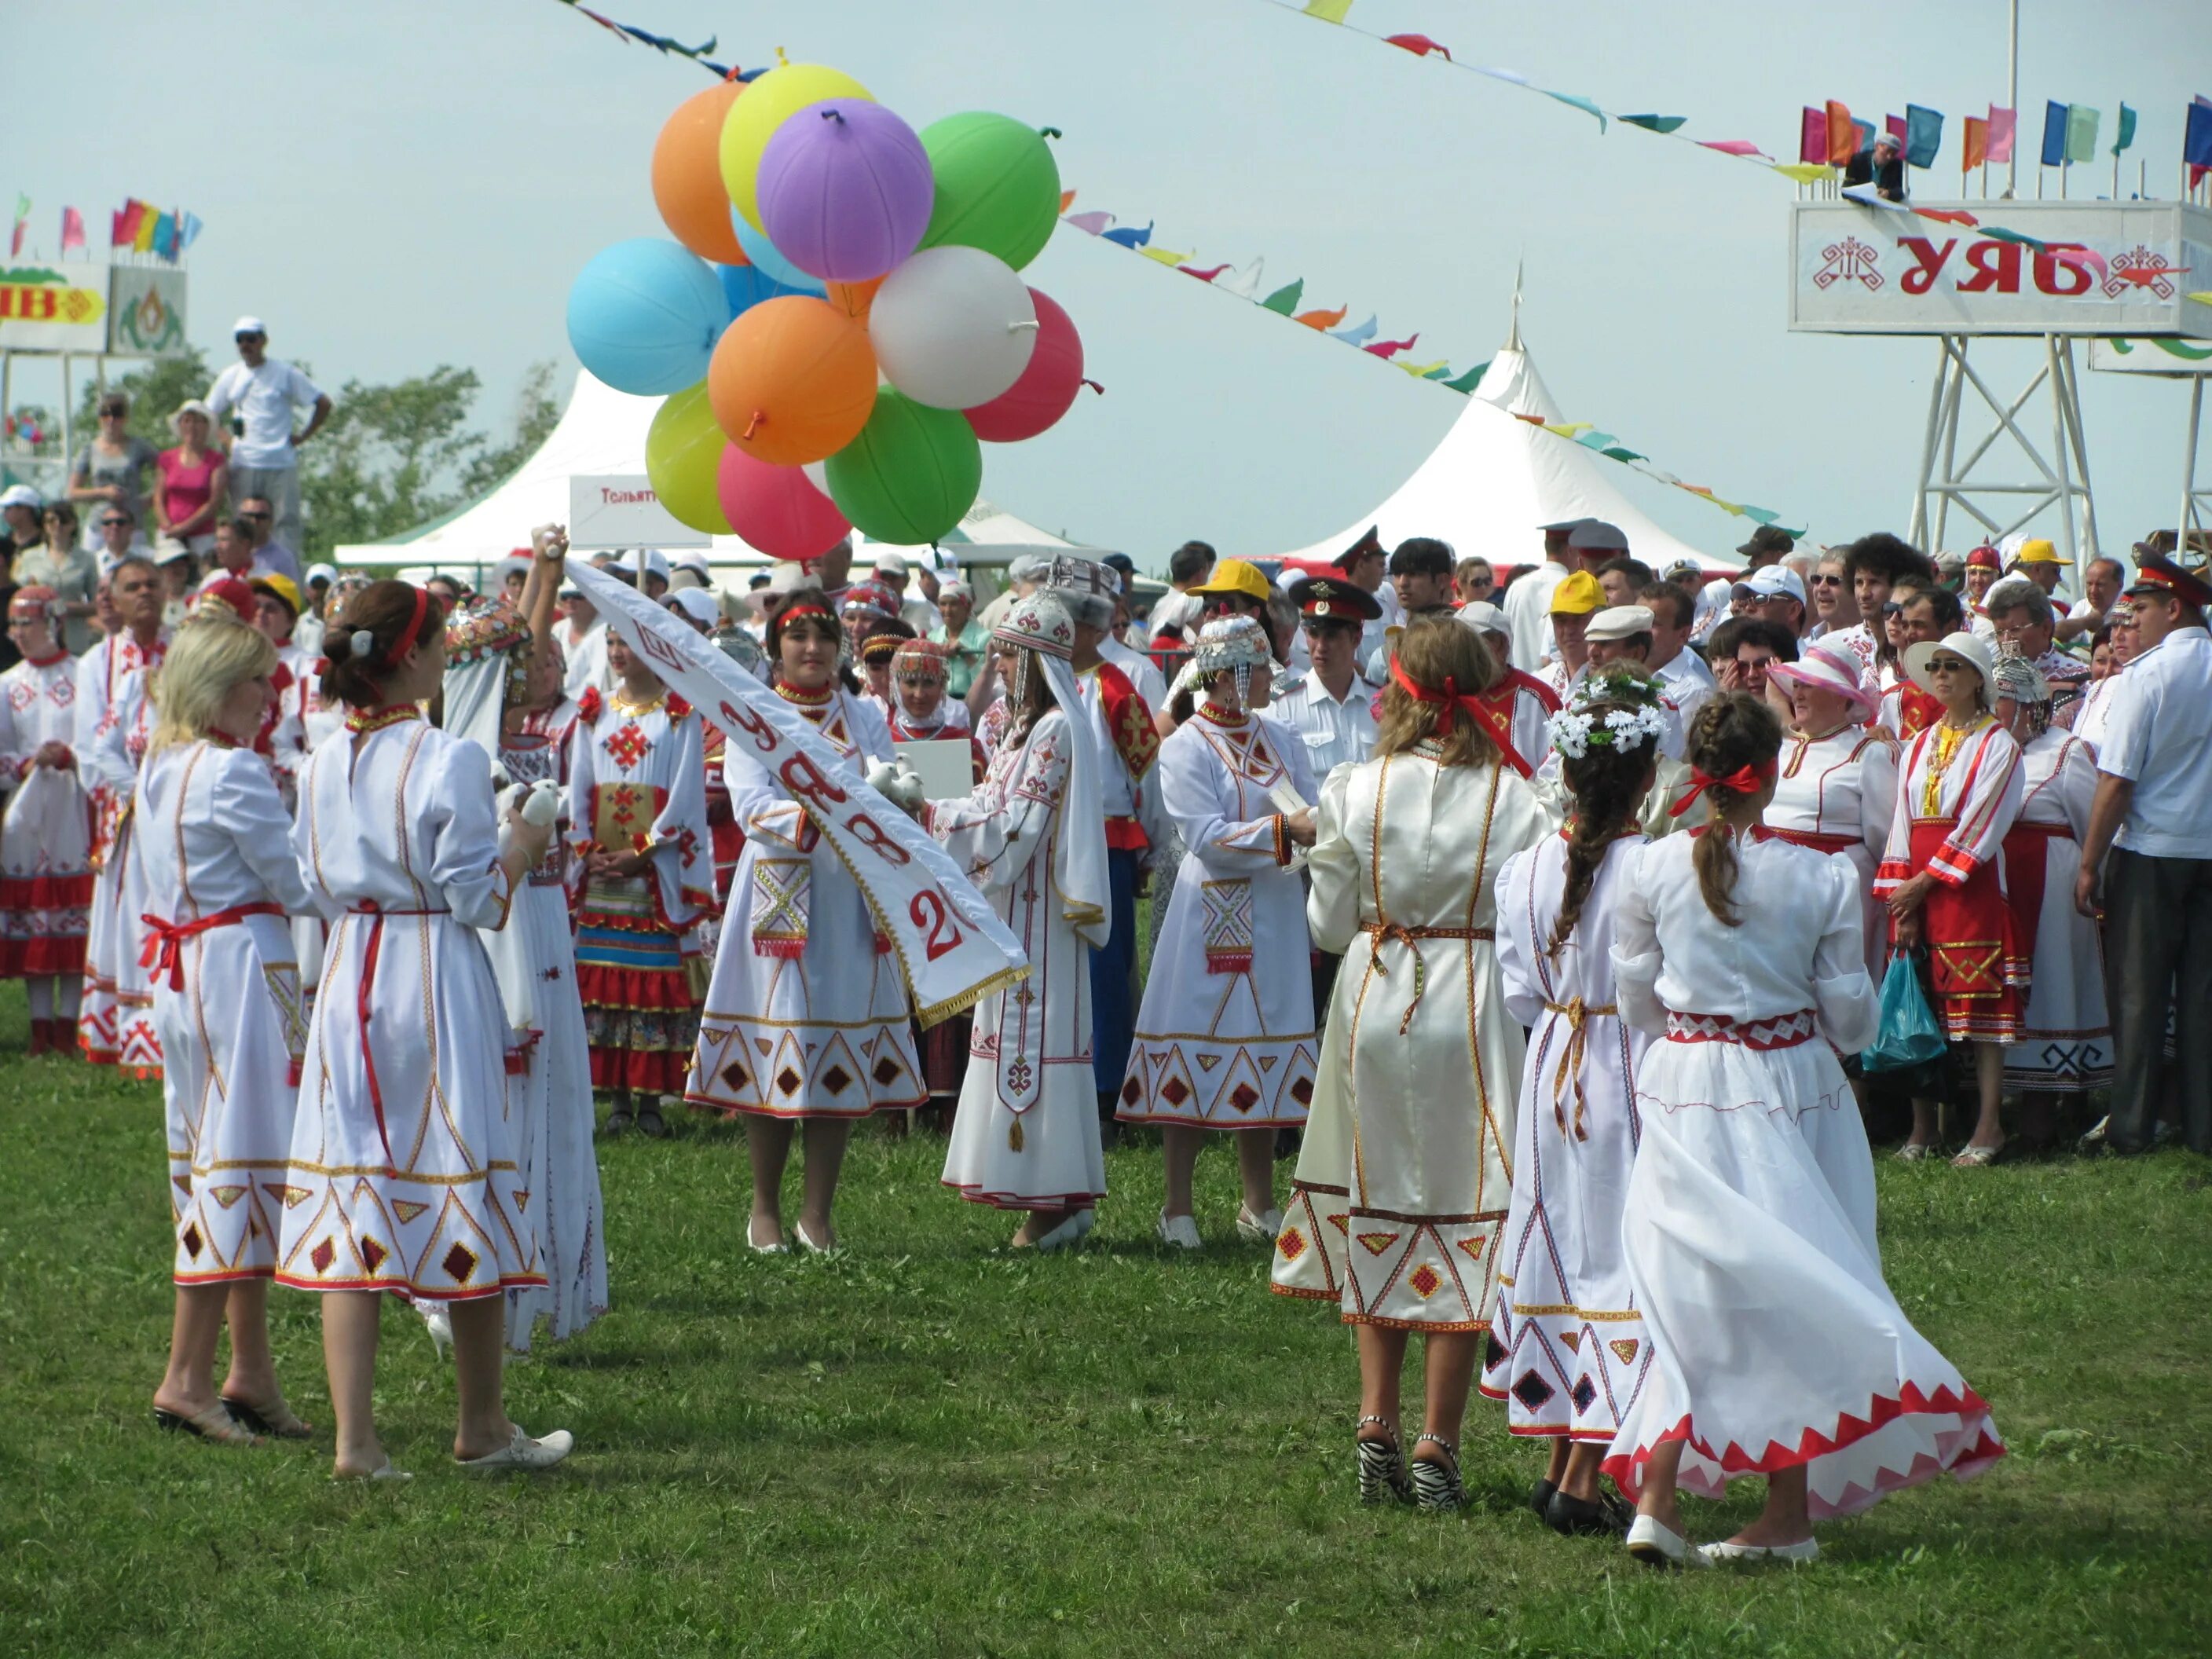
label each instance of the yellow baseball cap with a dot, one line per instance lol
(279, 587)
(1236, 576)
(1577, 596)
(2038, 551)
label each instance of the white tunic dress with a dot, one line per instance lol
(806, 1015)
(1835, 794)
(1567, 1351)
(2065, 1043)
(45, 836)
(1750, 1219)
(403, 1174)
(214, 838)
(1405, 1175)
(1030, 1055)
(1224, 1037)
(116, 1020)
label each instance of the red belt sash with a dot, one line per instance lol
(1778, 1031)
(163, 953)
(1814, 839)
(2026, 845)
(377, 915)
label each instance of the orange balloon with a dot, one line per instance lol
(793, 380)
(854, 299)
(687, 175)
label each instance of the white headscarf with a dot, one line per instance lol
(1040, 625)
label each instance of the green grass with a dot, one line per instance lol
(931, 1447)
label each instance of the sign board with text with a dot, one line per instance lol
(2171, 357)
(619, 509)
(146, 312)
(2088, 267)
(53, 307)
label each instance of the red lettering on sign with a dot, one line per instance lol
(1922, 276)
(1997, 265)
(763, 735)
(807, 783)
(2062, 277)
(872, 835)
(928, 910)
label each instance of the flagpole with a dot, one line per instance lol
(2012, 98)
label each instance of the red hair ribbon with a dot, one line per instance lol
(1744, 780)
(1449, 699)
(405, 642)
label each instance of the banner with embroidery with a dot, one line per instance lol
(623, 814)
(783, 889)
(1228, 927)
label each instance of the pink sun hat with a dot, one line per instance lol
(1828, 670)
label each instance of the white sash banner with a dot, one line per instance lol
(951, 946)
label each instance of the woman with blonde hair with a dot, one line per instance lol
(1404, 1180)
(213, 833)
(1776, 1347)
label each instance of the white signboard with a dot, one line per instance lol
(53, 307)
(2150, 357)
(146, 312)
(2092, 268)
(619, 509)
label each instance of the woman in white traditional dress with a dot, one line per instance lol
(1032, 838)
(806, 1020)
(1225, 1035)
(1749, 1228)
(45, 835)
(403, 1175)
(494, 659)
(1943, 875)
(1838, 783)
(1405, 1178)
(2065, 1045)
(1567, 1352)
(215, 839)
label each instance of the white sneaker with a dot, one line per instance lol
(1181, 1230)
(1067, 1232)
(524, 1453)
(1260, 1230)
(1659, 1545)
(1717, 1554)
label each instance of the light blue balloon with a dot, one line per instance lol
(768, 259)
(746, 286)
(645, 314)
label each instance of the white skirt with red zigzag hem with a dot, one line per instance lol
(1750, 1235)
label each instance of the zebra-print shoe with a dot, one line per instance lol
(1383, 1466)
(1437, 1486)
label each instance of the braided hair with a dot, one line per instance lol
(1609, 782)
(1732, 729)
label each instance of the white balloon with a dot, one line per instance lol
(953, 327)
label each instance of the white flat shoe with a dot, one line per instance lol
(1182, 1231)
(777, 1249)
(1718, 1554)
(1068, 1232)
(1658, 1546)
(383, 1471)
(1260, 1230)
(808, 1245)
(524, 1453)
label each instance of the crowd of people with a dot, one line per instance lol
(1449, 879)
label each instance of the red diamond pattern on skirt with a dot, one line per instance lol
(461, 1261)
(1424, 1279)
(1175, 1092)
(1132, 1092)
(836, 1080)
(735, 1074)
(1377, 1242)
(322, 1255)
(1244, 1097)
(787, 1080)
(192, 1241)
(372, 1253)
(1302, 1091)
(1292, 1243)
(886, 1069)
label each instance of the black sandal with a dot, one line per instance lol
(650, 1124)
(216, 1424)
(279, 1422)
(1605, 1516)
(619, 1122)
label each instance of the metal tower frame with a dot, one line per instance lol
(2062, 480)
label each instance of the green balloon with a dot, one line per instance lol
(682, 448)
(910, 475)
(998, 187)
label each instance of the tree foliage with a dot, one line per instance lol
(390, 458)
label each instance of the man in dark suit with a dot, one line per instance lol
(1883, 167)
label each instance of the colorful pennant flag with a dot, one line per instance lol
(1731, 146)
(1128, 236)
(1805, 172)
(72, 230)
(1358, 336)
(1662, 124)
(1206, 276)
(1812, 136)
(2196, 138)
(1391, 348)
(1420, 44)
(126, 223)
(22, 218)
(148, 220)
(2126, 135)
(1894, 126)
(1842, 134)
(1246, 284)
(1329, 11)
(189, 228)
(2004, 125)
(1092, 223)
(2054, 133)
(1321, 321)
(2081, 133)
(1285, 299)
(1975, 140)
(1924, 135)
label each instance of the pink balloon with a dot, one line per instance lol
(1046, 387)
(776, 508)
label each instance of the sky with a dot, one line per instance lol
(415, 182)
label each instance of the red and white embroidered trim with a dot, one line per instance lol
(1783, 1031)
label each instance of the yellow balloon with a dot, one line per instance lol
(682, 448)
(767, 103)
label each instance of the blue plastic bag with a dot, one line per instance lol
(1908, 1035)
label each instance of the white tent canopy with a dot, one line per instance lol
(1494, 478)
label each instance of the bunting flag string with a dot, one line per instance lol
(666, 45)
(1285, 301)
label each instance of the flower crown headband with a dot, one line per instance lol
(1576, 727)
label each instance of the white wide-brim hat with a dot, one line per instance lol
(1829, 672)
(1974, 648)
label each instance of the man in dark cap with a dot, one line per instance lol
(1767, 545)
(2152, 811)
(1329, 703)
(1528, 602)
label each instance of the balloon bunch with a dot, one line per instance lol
(839, 320)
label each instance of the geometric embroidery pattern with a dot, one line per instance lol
(1377, 1242)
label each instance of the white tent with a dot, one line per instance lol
(603, 431)
(1494, 478)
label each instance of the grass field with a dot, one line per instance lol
(931, 1447)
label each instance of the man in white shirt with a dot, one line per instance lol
(1874, 564)
(2152, 810)
(583, 637)
(1330, 705)
(264, 392)
(1681, 673)
(2102, 579)
(1527, 600)
(1177, 611)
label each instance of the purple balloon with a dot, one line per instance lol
(845, 189)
